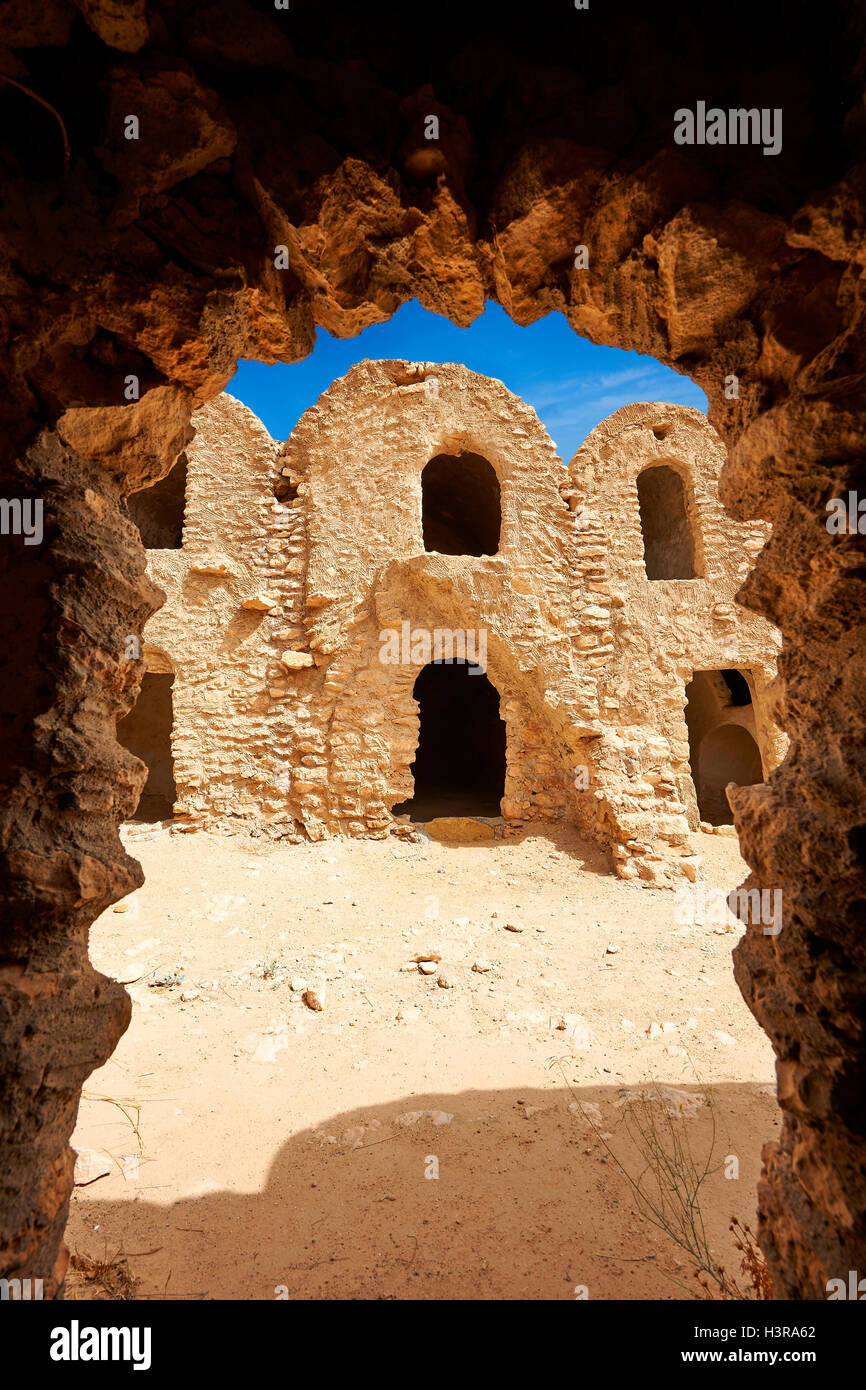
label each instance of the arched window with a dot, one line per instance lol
(668, 544)
(460, 505)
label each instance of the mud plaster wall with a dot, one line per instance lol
(651, 635)
(235, 539)
(287, 716)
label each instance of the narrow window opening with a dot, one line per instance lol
(460, 505)
(667, 538)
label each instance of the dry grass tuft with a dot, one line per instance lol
(100, 1279)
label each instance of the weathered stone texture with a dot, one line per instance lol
(289, 131)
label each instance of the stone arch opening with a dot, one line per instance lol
(668, 540)
(461, 509)
(146, 733)
(158, 510)
(776, 251)
(727, 753)
(459, 766)
(723, 744)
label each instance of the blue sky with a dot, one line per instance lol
(570, 383)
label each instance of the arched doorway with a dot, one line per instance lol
(723, 746)
(668, 544)
(726, 754)
(460, 505)
(146, 732)
(459, 766)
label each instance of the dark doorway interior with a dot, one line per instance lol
(158, 511)
(667, 539)
(459, 767)
(146, 732)
(738, 687)
(460, 505)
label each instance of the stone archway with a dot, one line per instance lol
(138, 272)
(728, 753)
(723, 739)
(459, 764)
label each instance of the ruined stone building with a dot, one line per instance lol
(413, 609)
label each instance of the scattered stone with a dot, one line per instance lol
(611, 949)
(481, 966)
(411, 1117)
(166, 981)
(586, 1109)
(654, 1031)
(443, 983)
(120, 907)
(428, 967)
(314, 998)
(513, 926)
(297, 984)
(90, 1165)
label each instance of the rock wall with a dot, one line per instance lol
(156, 259)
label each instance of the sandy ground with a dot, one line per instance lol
(412, 1140)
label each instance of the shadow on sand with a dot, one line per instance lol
(529, 1203)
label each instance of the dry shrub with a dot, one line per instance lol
(100, 1279)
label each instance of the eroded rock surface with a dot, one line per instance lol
(156, 259)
